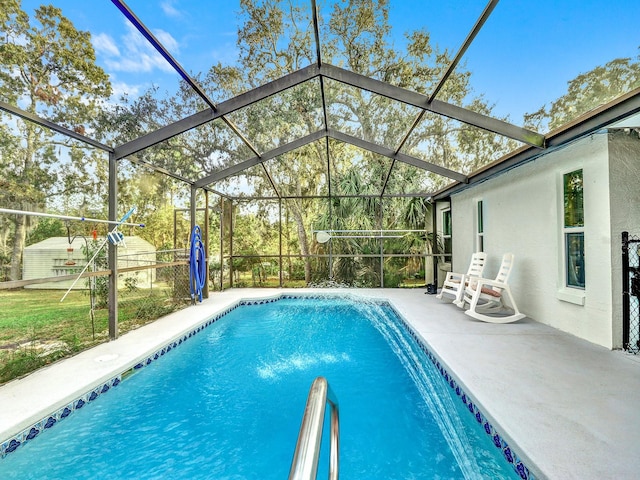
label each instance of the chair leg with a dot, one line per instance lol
(465, 297)
(489, 307)
(493, 318)
(459, 294)
(450, 291)
(480, 313)
(512, 303)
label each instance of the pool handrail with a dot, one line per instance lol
(305, 457)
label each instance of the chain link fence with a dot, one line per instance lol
(151, 285)
(631, 292)
(43, 320)
(363, 270)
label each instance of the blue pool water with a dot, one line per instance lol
(227, 404)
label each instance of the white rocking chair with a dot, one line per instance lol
(455, 283)
(486, 298)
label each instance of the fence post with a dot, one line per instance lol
(207, 261)
(221, 243)
(280, 283)
(112, 255)
(626, 299)
(231, 243)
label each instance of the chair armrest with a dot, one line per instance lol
(483, 286)
(472, 281)
(476, 284)
(454, 277)
(490, 283)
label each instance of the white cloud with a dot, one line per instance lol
(136, 53)
(103, 43)
(120, 88)
(169, 10)
(227, 53)
(167, 40)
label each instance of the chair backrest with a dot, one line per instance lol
(505, 268)
(476, 267)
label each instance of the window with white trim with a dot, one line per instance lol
(479, 226)
(573, 230)
(446, 232)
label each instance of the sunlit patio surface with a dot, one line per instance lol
(569, 408)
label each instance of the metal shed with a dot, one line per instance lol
(55, 257)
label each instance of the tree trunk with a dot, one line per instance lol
(15, 273)
(20, 236)
(304, 242)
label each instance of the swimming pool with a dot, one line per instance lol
(228, 404)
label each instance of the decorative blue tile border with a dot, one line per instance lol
(28, 434)
(31, 432)
(507, 452)
(56, 417)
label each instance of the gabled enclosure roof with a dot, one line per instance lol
(410, 112)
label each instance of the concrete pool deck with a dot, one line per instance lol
(569, 408)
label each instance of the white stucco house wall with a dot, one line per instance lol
(523, 213)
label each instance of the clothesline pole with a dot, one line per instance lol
(66, 217)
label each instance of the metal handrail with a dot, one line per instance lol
(305, 458)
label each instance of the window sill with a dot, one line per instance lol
(571, 296)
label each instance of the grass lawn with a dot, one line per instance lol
(37, 329)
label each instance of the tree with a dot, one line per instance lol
(46, 228)
(47, 68)
(588, 91)
(276, 38)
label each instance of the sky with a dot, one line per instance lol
(522, 59)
